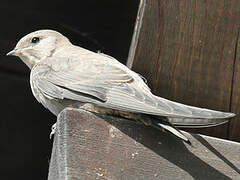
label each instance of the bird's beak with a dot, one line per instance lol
(12, 53)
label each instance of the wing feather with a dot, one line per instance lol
(107, 83)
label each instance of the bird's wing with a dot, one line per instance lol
(104, 82)
(84, 78)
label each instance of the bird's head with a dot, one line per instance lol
(38, 45)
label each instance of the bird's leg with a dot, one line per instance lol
(53, 130)
(145, 119)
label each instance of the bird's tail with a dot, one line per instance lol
(195, 122)
(190, 115)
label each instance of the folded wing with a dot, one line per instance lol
(109, 84)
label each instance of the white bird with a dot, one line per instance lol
(64, 75)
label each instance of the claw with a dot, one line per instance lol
(53, 130)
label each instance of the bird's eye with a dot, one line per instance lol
(35, 40)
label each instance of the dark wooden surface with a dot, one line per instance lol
(187, 50)
(234, 131)
(90, 147)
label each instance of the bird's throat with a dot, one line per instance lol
(29, 60)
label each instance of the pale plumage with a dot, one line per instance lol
(62, 71)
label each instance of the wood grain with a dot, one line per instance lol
(186, 51)
(89, 147)
(234, 128)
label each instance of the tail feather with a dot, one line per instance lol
(160, 124)
(195, 122)
(185, 111)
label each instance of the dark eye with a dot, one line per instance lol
(35, 40)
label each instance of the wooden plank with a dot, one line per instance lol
(186, 51)
(235, 100)
(136, 33)
(89, 147)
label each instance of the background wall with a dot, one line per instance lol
(25, 124)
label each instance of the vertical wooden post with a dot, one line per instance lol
(234, 129)
(186, 50)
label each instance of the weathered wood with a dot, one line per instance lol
(234, 129)
(89, 147)
(186, 50)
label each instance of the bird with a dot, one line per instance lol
(65, 75)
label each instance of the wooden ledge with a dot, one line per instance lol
(89, 147)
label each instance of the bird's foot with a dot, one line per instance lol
(53, 130)
(146, 122)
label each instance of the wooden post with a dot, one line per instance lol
(188, 51)
(90, 147)
(234, 129)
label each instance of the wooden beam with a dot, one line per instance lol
(90, 147)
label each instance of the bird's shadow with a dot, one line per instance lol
(173, 149)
